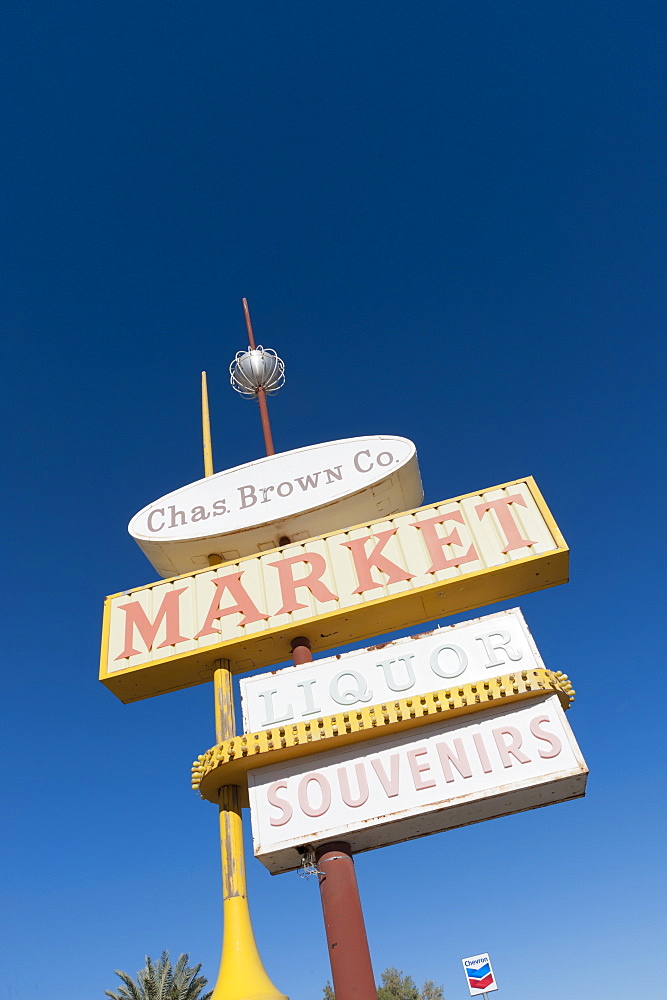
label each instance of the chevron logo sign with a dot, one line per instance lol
(479, 974)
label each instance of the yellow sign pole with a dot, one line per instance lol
(242, 975)
(206, 428)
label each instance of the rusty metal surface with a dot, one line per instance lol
(229, 796)
(225, 724)
(261, 395)
(347, 943)
(301, 651)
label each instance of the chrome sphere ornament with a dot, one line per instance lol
(255, 369)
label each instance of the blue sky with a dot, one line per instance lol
(449, 220)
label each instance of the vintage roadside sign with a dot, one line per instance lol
(460, 654)
(449, 774)
(479, 974)
(394, 573)
(299, 494)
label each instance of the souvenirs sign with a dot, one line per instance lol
(450, 774)
(459, 654)
(299, 493)
(394, 573)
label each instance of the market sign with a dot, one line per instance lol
(451, 774)
(460, 654)
(479, 974)
(298, 494)
(343, 587)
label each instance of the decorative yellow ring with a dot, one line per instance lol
(228, 763)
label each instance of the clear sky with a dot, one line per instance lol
(449, 219)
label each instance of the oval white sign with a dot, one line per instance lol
(294, 494)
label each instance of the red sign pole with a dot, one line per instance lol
(261, 395)
(351, 968)
(350, 958)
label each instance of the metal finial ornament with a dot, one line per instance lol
(259, 369)
(257, 373)
(254, 369)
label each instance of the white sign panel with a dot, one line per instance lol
(396, 788)
(479, 974)
(460, 654)
(298, 494)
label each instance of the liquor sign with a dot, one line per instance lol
(451, 774)
(460, 654)
(479, 974)
(299, 493)
(394, 573)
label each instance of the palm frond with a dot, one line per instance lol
(160, 981)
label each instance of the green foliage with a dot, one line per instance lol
(431, 991)
(397, 986)
(160, 981)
